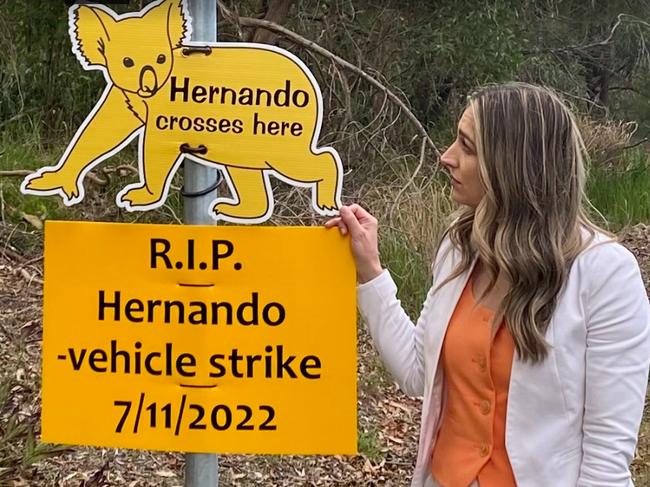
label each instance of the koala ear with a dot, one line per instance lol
(89, 31)
(177, 22)
(172, 13)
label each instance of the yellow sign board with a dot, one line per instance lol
(199, 339)
(252, 110)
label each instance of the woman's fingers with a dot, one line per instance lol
(332, 222)
(337, 222)
(349, 217)
(360, 212)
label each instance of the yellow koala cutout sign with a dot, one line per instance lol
(250, 109)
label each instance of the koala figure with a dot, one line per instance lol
(251, 110)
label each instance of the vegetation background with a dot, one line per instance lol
(394, 76)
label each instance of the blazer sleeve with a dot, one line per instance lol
(617, 360)
(397, 340)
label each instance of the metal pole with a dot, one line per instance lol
(201, 469)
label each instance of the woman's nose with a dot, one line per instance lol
(447, 159)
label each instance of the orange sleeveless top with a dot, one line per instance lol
(471, 439)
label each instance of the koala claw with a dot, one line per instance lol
(139, 197)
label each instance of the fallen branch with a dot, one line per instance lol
(306, 43)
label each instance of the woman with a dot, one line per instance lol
(533, 346)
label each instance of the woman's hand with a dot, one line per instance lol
(362, 227)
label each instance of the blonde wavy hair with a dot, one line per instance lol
(532, 222)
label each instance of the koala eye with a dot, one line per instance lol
(161, 59)
(128, 62)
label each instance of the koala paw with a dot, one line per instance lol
(327, 206)
(139, 197)
(54, 180)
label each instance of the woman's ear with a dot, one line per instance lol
(90, 33)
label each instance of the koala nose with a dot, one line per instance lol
(148, 81)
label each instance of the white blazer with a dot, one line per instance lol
(573, 419)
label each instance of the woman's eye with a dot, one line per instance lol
(161, 59)
(128, 62)
(465, 146)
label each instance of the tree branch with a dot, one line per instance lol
(306, 43)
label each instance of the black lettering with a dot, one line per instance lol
(300, 94)
(245, 96)
(234, 358)
(199, 94)
(190, 253)
(211, 124)
(115, 354)
(278, 99)
(136, 358)
(185, 123)
(214, 362)
(296, 129)
(180, 311)
(215, 312)
(200, 315)
(134, 306)
(151, 306)
(161, 122)
(268, 362)
(168, 359)
(258, 95)
(199, 124)
(147, 363)
(273, 127)
(250, 360)
(258, 125)
(224, 125)
(115, 305)
(95, 356)
(214, 91)
(76, 361)
(283, 365)
(184, 90)
(228, 91)
(185, 360)
(155, 252)
(253, 306)
(266, 314)
(218, 253)
(304, 365)
(237, 126)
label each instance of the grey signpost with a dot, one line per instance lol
(201, 470)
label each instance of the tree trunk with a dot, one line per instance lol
(273, 11)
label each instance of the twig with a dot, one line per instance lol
(631, 146)
(411, 179)
(17, 172)
(28, 277)
(306, 43)
(12, 254)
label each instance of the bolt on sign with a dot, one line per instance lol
(252, 110)
(182, 338)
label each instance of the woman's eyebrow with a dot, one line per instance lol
(467, 137)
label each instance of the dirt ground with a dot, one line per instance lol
(387, 419)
